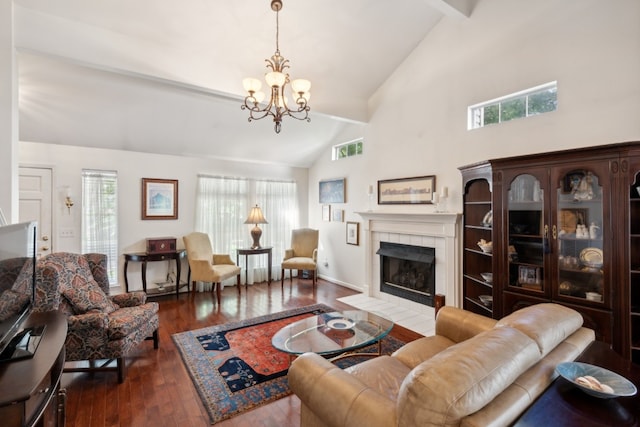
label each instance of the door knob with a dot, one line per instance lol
(45, 248)
(45, 238)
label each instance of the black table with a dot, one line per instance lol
(249, 251)
(563, 404)
(144, 258)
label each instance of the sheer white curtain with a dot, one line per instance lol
(100, 217)
(279, 203)
(222, 206)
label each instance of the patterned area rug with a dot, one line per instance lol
(234, 367)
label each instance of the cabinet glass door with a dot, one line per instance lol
(578, 232)
(526, 234)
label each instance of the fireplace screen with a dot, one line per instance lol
(408, 271)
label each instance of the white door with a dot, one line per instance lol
(35, 204)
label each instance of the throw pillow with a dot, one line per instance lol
(87, 296)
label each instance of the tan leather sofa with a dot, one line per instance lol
(474, 371)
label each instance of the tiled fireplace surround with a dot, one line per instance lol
(438, 230)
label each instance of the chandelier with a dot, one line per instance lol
(277, 79)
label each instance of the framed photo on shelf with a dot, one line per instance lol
(353, 233)
(159, 198)
(416, 190)
(332, 191)
(326, 212)
(570, 218)
(337, 215)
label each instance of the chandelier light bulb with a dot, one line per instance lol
(275, 79)
(300, 86)
(259, 96)
(251, 85)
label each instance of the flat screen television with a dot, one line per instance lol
(17, 291)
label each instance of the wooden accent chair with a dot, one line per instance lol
(207, 266)
(303, 254)
(100, 327)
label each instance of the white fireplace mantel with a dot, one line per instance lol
(439, 229)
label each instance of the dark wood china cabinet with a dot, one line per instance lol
(565, 228)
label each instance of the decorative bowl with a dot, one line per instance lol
(486, 247)
(488, 277)
(341, 323)
(486, 299)
(621, 386)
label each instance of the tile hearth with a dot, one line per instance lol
(422, 323)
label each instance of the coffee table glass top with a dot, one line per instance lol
(332, 333)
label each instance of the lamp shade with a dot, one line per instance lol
(256, 216)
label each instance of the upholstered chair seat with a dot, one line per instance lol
(207, 266)
(100, 327)
(303, 254)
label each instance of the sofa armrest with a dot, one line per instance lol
(337, 397)
(459, 325)
(131, 299)
(222, 259)
(89, 321)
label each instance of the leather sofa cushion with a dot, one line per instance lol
(383, 374)
(465, 377)
(547, 324)
(415, 352)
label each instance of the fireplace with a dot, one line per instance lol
(408, 271)
(438, 232)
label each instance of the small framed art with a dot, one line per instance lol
(337, 215)
(326, 212)
(353, 233)
(159, 198)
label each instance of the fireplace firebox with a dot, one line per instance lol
(408, 271)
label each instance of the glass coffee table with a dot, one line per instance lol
(335, 334)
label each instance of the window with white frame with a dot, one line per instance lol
(347, 149)
(222, 206)
(529, 102)
(100, 217)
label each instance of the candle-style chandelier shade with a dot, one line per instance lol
(277, 80)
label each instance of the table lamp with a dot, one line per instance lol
(255, 217)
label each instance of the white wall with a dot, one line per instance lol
(418, 117)
(68, 162)
(8, 115)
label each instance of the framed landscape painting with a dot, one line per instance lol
(332, 191)
(159, 198)
(416, 190)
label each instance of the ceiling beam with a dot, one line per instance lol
(453, 8)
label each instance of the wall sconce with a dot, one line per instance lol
(67, 200)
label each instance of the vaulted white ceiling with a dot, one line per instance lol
(166, 77)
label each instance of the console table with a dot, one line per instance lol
(145, 257)
(30, 388)
(563, 404)
(258, 251)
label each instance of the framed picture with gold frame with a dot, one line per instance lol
(159, 198)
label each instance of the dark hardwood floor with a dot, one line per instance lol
(158, 391)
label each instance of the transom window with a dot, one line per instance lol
(347, 149)
(529, 102)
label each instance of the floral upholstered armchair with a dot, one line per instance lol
(100, 327)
